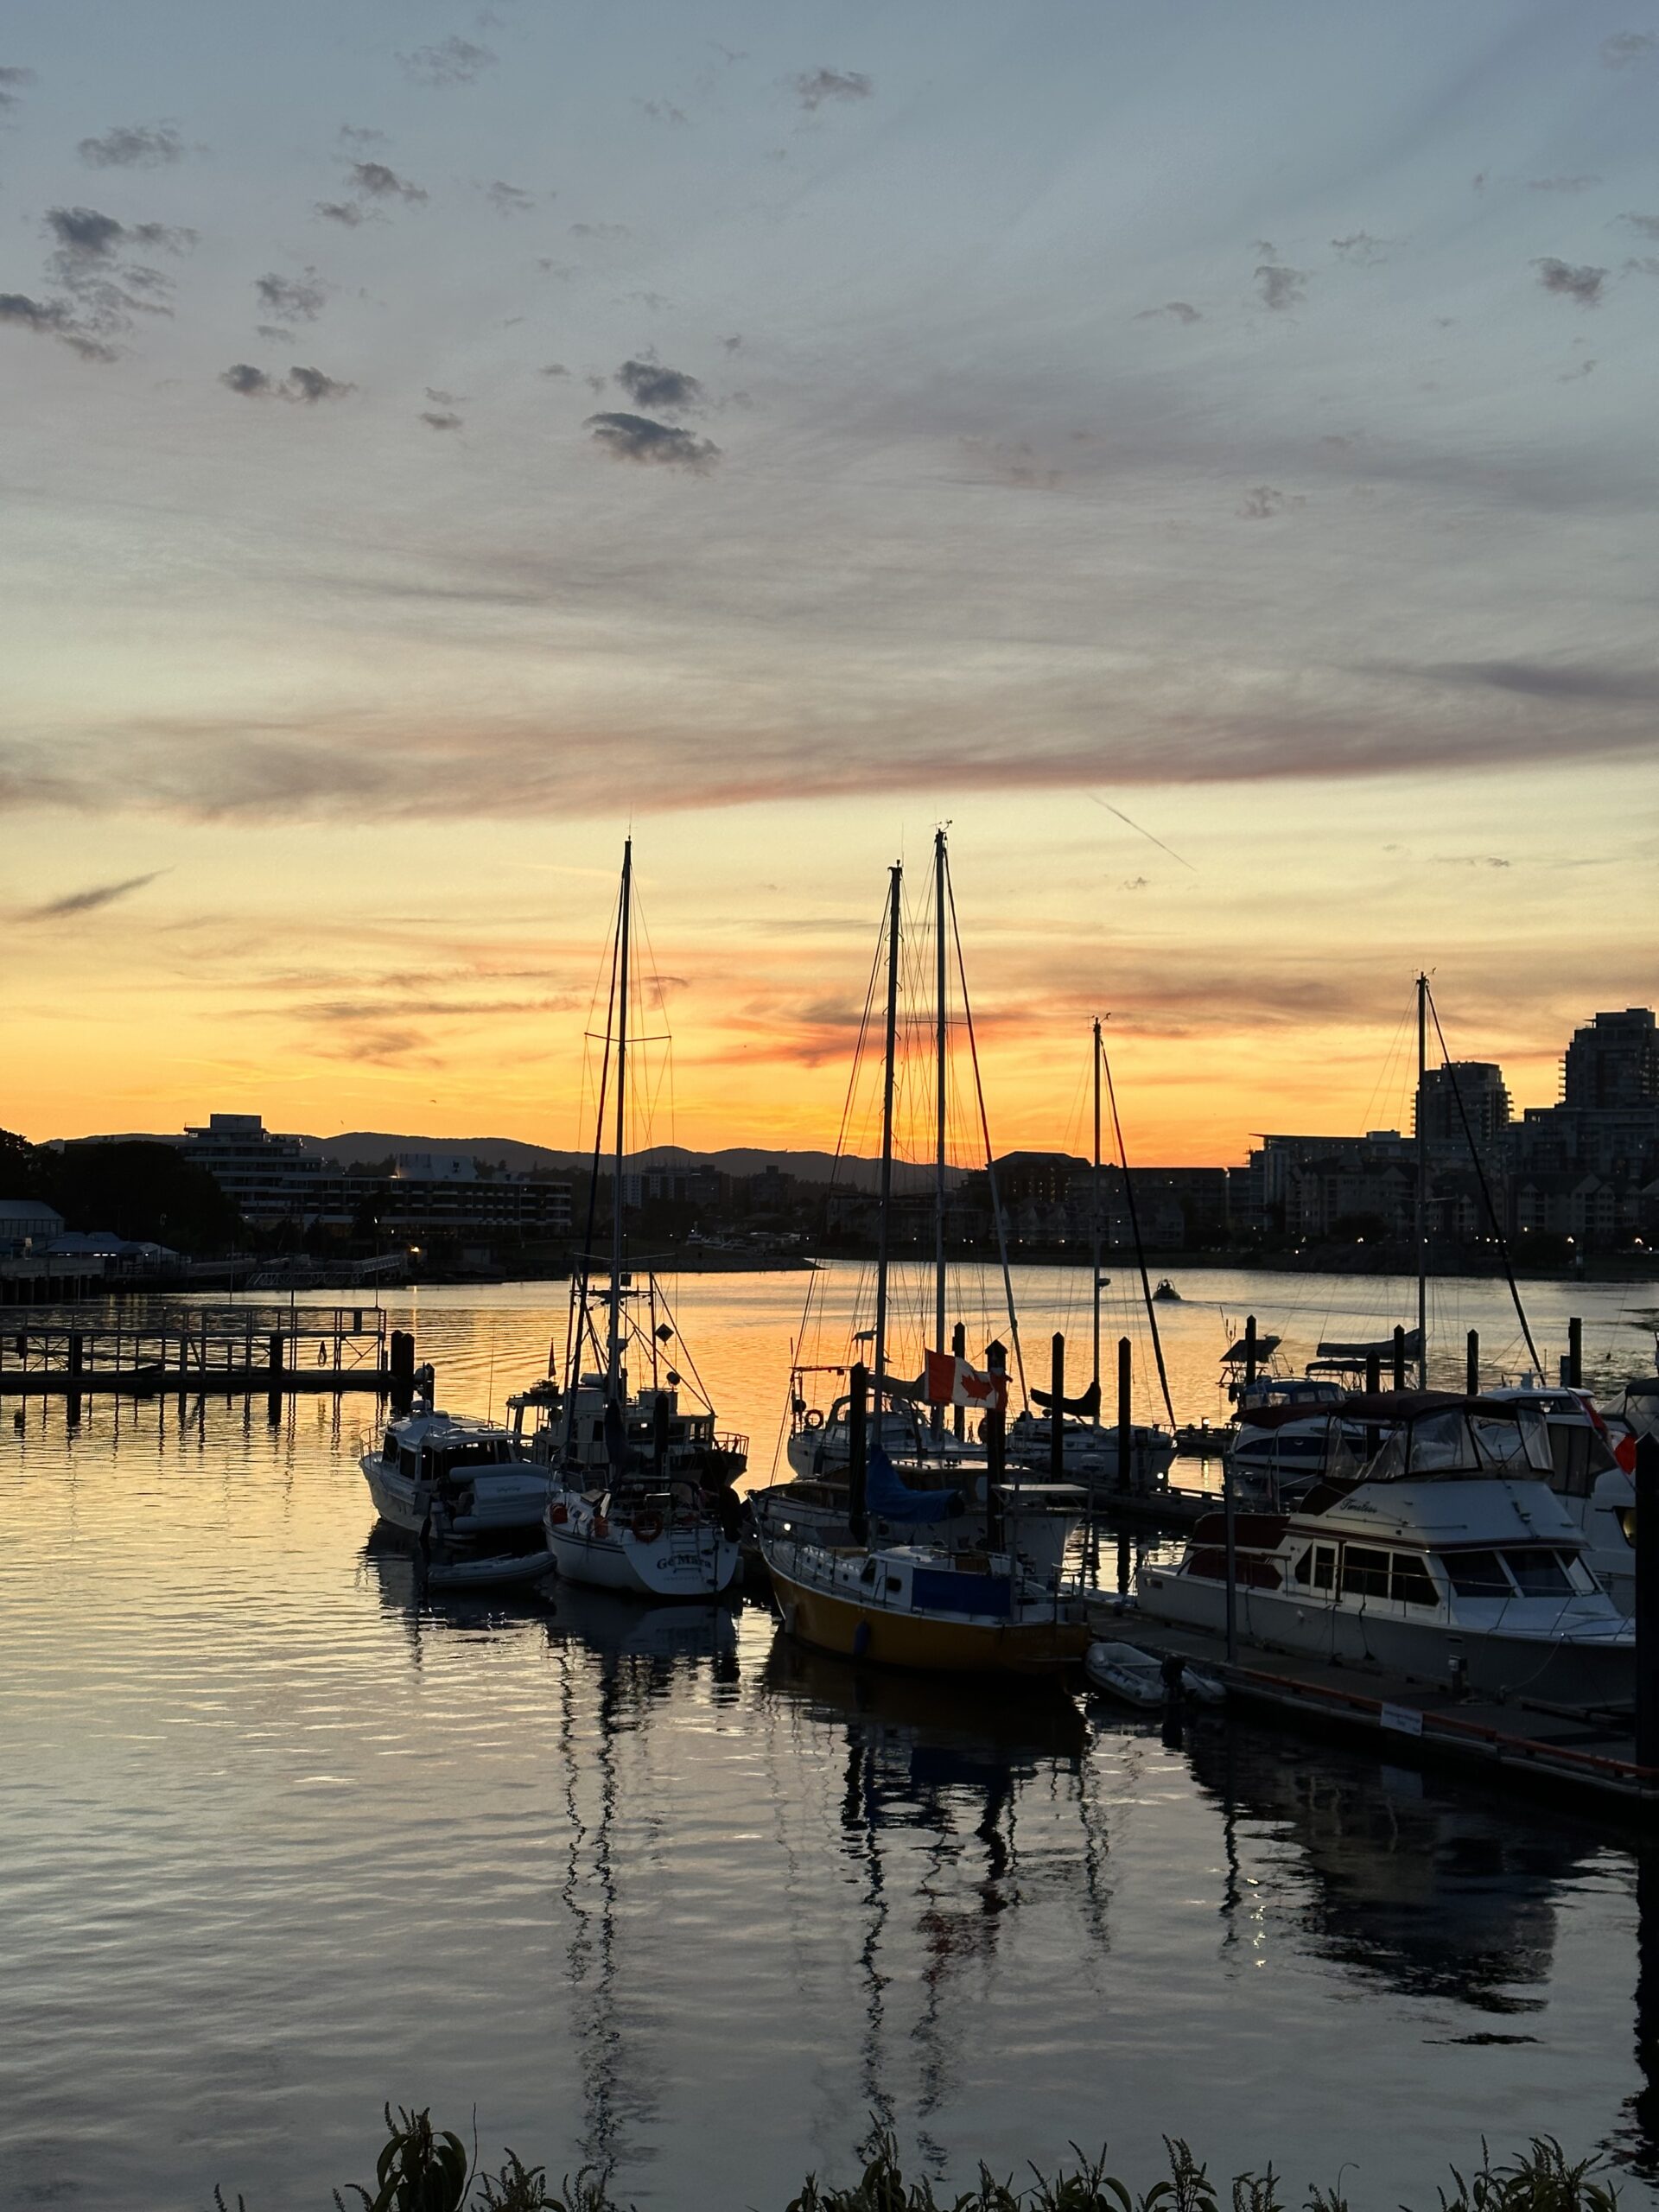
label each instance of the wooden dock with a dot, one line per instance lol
(1588, 1756)
(232, 1350)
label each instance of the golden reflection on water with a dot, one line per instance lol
(279, 1841)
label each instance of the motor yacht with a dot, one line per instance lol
(453, 1479)
(1447, 1557)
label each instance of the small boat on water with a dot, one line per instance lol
(495, 1571)
(1446, 1558)
(1167, 1295)
(458, 1479)
(1126, 1672)
(914, 1606)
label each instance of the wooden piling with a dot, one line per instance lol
(1575, 1377)
(995, 1432)
(1399, 1357)
(1057, 1395)
(1471, 1364)
(959, 1414)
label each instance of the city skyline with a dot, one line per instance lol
(1206, 462)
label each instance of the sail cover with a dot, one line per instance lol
(887, 1495)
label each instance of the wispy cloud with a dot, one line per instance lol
(133, 146)
(1280, 287)
(649, 384)
(1362, 248)
(812, 87)
(377, 181)
(1625, 48)
(88, 901)
(1573, 282)
(1172, 311)
(452, 61)
(14, 82)
(1561, 183)
(636, 437)
(1263, 501)
(442, 419)
(295, 299)
(508, 199)
(306, 386)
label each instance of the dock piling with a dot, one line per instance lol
(995, 1432)
(1127, 1472)
(1249, 1349)
(1647, 1601)
(1056, 1427)
(1574, 1377)
(1399, 1357)
(1471, 1375)
(959, 1415)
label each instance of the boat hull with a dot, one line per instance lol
(1581, 1670)
(689, 1562)
(503, 1503)
(1040, 1537)
(923, 1642)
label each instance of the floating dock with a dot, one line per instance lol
(228, 1350)
(1585, 1755)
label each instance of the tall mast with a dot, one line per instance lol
(1094, 1223)
(941, 1102)
(614, 1357)
(897, 874)
(1422, 1188)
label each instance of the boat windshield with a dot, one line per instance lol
(1461, 1442)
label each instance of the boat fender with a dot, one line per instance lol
(647, 1527)
(601, 1526)
(812, 1418)
(557, 1515)
(861, 1640)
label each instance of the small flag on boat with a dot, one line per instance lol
(951, 1381)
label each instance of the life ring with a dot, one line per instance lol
(647, 1527)
(812, 1418)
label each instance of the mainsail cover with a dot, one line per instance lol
(887, 1495)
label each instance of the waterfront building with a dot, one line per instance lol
(1613, 1061)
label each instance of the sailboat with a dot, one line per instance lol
(925, 1474)
(961, 1595)
(1091, 1452)
(644, 1501)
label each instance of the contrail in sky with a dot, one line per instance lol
(1140, 832)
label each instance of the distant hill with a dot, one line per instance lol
(355, 1148)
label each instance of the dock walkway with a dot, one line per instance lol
(1586, 1755)
(233, 1349)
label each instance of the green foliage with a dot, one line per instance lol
(1540, 2180)
(419, 2171)
(145, 1191)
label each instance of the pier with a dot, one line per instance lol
(1584, 1754)
(230, 1350)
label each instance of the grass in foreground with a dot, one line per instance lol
(423, 2168)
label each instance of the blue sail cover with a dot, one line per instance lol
(892, 1499)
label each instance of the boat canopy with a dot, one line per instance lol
(1469, 1436)
(1340, 1352)
(892, 1499)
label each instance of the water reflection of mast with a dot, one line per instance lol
(591, 1955)
(860, 1825)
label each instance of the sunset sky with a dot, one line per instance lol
(440, 438)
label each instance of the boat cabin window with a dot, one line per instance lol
(1316, 1566)
(389, 1449)
(1459, 1443)
(1477, 1574)
(1411, 1582)
(1364, 1574)
(1538, 1572)
(409, 1462)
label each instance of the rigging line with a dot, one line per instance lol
(580, 1281)
(985, 1133)
(835, 1164)
(1134, 1230)
(1480, 1177)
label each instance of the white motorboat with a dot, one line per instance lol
(1592, 1474)
(1447, 1558)
(1284, 1436)
(458, 1479)
(1089, 1451)
(1126, 1672)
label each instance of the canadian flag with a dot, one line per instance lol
(951, 1381)
(1621, 1447)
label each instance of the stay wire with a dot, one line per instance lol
(985, 1133)
(1134, 1230)
(1485, 1191)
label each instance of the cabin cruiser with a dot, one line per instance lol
(438, 1474)
(1447, 1557)
(1089, 1451)
(1283, 1435)
(820, 1445)
(1592, 1473)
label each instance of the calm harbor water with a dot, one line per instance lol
(277, 1842)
